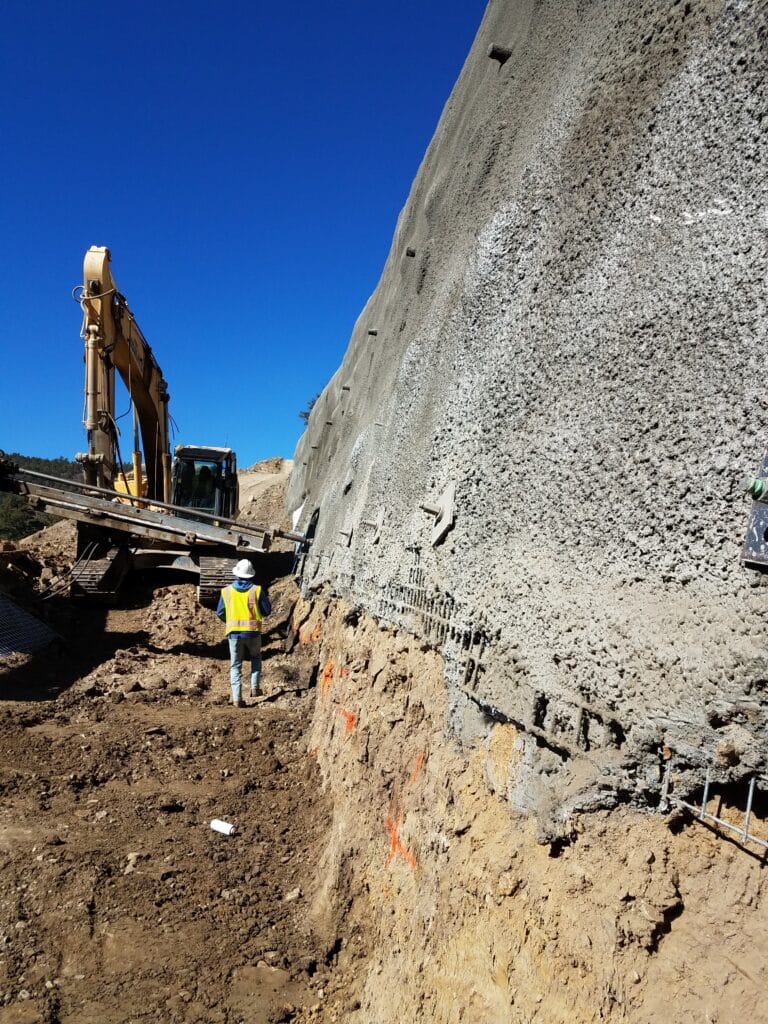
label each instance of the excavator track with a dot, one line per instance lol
(102, 577)
(215, 573)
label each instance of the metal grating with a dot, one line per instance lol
(20, 632)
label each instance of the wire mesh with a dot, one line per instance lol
(20, 632)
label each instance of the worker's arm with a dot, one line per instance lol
(265, 605)
(221, 611)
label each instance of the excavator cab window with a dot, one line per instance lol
(184, 484)
(196, 483)
(207, 482)
(204, 495)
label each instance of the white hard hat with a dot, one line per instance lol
(244, 570)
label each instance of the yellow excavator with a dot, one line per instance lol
(177, 513)
(203, 478)
(199, 482)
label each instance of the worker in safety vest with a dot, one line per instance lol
(242, 606)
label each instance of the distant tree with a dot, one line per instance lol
(304, 414)
(17, 518)
(61, 467)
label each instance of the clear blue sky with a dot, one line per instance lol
(245, 163)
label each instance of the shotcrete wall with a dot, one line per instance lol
(571, 329)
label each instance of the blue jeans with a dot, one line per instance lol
(241, 644)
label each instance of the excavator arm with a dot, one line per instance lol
(113, 340)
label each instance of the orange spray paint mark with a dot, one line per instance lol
(417, 767)
(326, 680)
(396, 845)
(350, 718)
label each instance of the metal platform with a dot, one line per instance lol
(138, 517)
(116, 532)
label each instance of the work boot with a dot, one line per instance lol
(256, 693)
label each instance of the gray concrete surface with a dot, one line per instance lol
(579, 344)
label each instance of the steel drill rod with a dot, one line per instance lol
(706, 796)
(725, 824)
(664, 803)
(750, 797)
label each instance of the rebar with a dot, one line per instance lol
(701, 812)
(664, 802)
(748, 812)
(705, 797)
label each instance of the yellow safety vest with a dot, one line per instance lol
(242, 607)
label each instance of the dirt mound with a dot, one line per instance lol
(52, 542)
(119, 903)
(262, 493)
(275, 465)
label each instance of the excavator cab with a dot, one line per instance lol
(205, 480)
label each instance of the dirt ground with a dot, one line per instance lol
(118, 902)
(262, 492)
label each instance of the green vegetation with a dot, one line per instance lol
(61, 467)
(304, 414)
(17, 519)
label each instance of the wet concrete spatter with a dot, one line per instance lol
(571, 328)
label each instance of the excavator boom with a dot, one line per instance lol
(113, 341)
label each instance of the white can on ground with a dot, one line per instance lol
(224, 827)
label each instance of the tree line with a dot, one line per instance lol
(17, 518)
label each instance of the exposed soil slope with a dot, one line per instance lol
(262, 492)
(452, 909)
